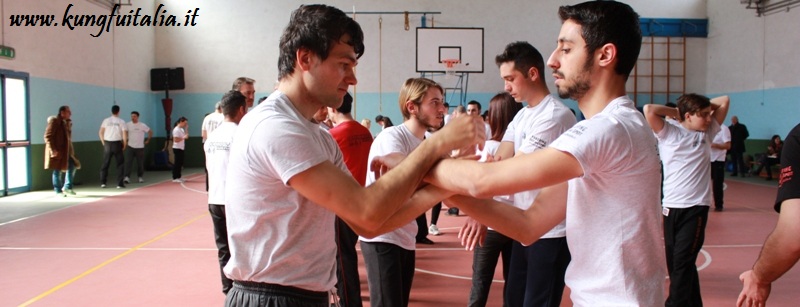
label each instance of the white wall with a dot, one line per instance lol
(241, 38)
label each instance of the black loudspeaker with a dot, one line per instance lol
(166, 78)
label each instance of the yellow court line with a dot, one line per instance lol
(99, 266)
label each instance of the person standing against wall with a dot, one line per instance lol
(114, 137)
(136, 143)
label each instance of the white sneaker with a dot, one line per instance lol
(103, 186)
(141, 180)
(433, 230)
(127, 180)
(179, 180)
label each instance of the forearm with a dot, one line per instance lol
(720, 106)
(782, 248)
(422, 200)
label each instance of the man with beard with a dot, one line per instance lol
(602, 175)
(390, 257)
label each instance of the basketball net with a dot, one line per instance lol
(450, 67)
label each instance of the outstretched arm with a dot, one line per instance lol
(536, 170)
(780, 252)
(371, 207)
(549, 209)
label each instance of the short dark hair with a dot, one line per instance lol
(62, 109)
(475, 103)
(604, 22)
(347, 104)
(135, 112)
(180, 120)
(260, 100)
(316, 27)
(115, 109)
(231, 102)
(691, 103)
(524, 56)
(237, 84)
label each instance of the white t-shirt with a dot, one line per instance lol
(685, 155)
(488, 130)
(136, 133)
(722, 137)
(211, 122)
(395, 139)
(180, 133)
(275, 234)
(534, 128)
(114, 128)
(613, 217)
(218, 148)
(490, 148)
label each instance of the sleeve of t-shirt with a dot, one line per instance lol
(788, 184)
(124, 126)
(204, 126)
(588, 142)
(668, 133)
(541, 136)
(512, 127)
(726, 134)
(145, 128)
(285, 146)
(104, 124)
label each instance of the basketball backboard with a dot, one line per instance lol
(435, 45)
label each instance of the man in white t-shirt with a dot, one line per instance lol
(719, 148)
(287, 179)
(390, 257)
(136, 142)
(536, 274)
(212, 121)
(474, 109)
(684, 146)
(114, 137)
(602, 175)
(217, 148)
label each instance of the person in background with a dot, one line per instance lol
(59, 154)
(114, 137)
(739, 133)
(136, 143)
(719, 147)
(179, 136)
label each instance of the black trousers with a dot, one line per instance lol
(134, 153)
(437, 209)
(348, 286)
(390, 271)
(738, 163)
(221, 239)
(684, 233)
(113, 149)
(422, 227)
(484, 262)
(536, 273)
(178, 166)
(717, 179)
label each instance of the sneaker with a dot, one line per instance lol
(424, 241)
(179, 180)
(60, 194)
(121, 186)
(69, 191)
(141, 180)
(433, 230)
(103, 186)
(127, 179)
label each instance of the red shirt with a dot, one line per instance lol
(354, 140)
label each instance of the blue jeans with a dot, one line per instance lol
(67, 180)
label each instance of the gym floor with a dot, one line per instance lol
(152, 244)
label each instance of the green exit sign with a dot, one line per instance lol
(7, 52)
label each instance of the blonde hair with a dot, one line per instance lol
(413, 90)
(366, 122)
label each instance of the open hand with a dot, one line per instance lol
(472, 233)
(754, 293)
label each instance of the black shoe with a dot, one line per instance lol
(452, 211)
(769, 178)
(718, 209)
(424, 241)
(734, 175)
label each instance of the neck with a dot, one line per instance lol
(299, 96)
(537, 95)
(604, 88)
(416, 127)
(340, 118)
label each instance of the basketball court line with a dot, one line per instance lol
(109, 261)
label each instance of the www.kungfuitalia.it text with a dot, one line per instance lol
(134, 18)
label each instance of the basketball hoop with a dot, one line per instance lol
(450, 66)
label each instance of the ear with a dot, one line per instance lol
(606, 55)
(411, 107)
(304, 59)
(533, 74)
